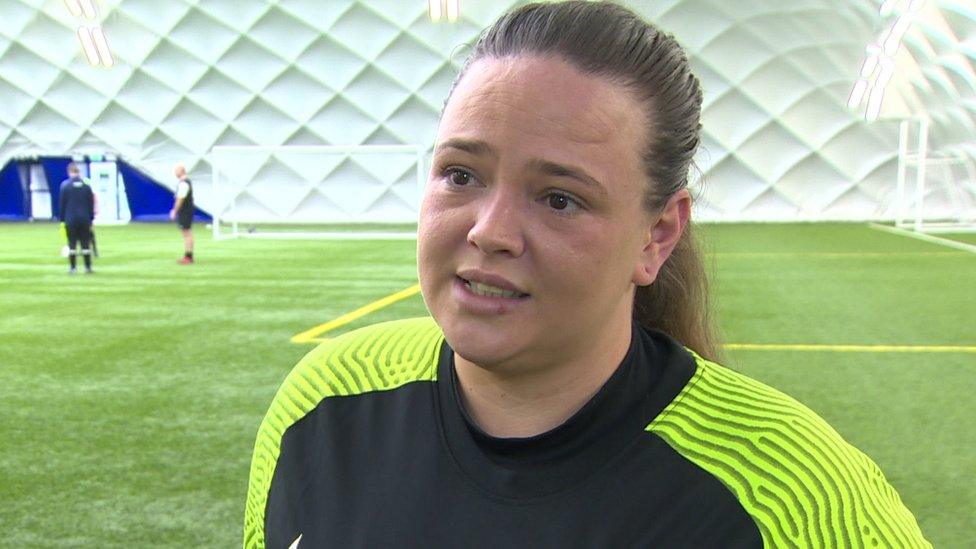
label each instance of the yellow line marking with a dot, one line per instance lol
(839, 255)
(851, 348)
(312, 335)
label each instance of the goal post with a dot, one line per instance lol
(936, 190)
(344, 191)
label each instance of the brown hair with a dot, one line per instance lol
(607, 40)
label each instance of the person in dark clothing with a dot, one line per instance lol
(564, 391)
(77, 211)
(182, 211)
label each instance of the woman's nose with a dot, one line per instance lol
(498, 225)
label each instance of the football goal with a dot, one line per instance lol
(936, 190)
(359, 191)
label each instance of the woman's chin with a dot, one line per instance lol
(483, 356)
(487, 349)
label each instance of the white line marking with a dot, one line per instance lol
(926, 237)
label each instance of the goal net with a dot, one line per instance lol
(360, 191)
(936, 190)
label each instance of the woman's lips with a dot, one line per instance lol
(488, 282)
(478, 298)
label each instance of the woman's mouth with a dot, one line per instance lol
(488, 290)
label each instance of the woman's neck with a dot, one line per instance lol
(524, 402)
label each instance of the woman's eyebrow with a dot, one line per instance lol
(547, 167)
(472, 146)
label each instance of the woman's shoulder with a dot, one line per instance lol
(794, 473)
(373, 358)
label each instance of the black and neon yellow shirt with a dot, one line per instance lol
(367, 444)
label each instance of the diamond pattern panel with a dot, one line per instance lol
(289, 184)
(203, 36)
(779, 141)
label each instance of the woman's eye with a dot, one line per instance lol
(563, 203)
(458, 177)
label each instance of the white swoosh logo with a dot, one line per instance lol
(294, 544)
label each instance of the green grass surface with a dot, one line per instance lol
(130, 398)
(968, 238)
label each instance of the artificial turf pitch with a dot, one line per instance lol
(130, 398)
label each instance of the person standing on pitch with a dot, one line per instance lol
(182, 211)
(77, 211)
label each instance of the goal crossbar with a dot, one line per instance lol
(300, 191)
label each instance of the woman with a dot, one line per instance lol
(556, 398)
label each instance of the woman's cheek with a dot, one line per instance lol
(448, 214)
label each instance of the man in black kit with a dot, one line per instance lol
(182, 211)
(77, 210)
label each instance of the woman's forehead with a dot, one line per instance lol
(544, 95)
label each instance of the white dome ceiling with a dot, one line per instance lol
(780, 142)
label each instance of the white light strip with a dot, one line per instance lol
(877, 93)
(879, 62)
(88, 6)
(73, 7)
(857, 93)
(88, 45)
(101, 42)
(897, 32)
(434, 10)
(871, 61)
(453, 10)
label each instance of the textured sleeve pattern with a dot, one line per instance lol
(377, 358)
(800, 481)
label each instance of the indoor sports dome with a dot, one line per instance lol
(790, 90)
(834, 189)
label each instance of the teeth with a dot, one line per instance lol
(490, 291)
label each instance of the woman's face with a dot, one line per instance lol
(532, 231)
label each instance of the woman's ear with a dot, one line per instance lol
(662, 236)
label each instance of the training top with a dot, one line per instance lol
(367, 444)
(76, 202)
(184, 190)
